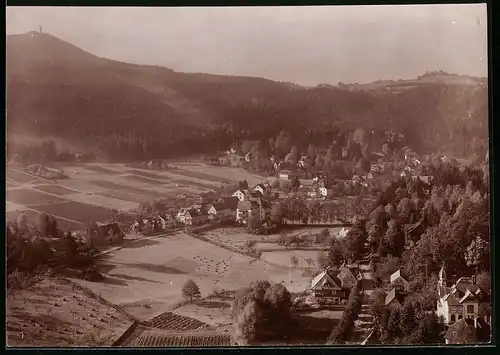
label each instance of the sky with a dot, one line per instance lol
(304, 45)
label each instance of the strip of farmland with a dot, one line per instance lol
(147, 174)
(19, 176)
(31, 197)
(77, 211)
(198, 175)
(56, 190)
(193, 183)
(143, 179)
(100, 169)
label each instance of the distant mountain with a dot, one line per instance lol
(126, 110)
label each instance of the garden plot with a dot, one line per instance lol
(28, 197)
(215, 310)
(176, 322)
(55, 190)
(144, 337)
(77, 211)
(54, 313)
(283, 258)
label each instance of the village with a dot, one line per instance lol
(290, 211)
(177, 178)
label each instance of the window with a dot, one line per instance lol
(460, 316)
(470, 308)
(453, 318)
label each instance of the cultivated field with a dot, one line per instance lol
(54, 313)
(215, 310)
(19, 177)
(144, 337)
(153, 272)
(55, 190)
(92, 190)
(29, 197)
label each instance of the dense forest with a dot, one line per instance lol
(126, 111)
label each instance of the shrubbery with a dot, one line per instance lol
(345, 326)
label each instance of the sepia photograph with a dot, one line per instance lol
(247, 176)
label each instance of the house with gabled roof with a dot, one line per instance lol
(196, 216)
(224, 209)
(343, 232)
(394, 298)
(413, 232)
(461, 300)
(240, 194)
(399, 282)
(348, 276)
(261, 188)
(246, 209)
(326, 285)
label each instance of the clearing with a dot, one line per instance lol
(153, 272)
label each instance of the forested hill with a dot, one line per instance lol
(137, 111)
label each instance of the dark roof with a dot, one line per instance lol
(260, 185)
(244, 205)
(105, 228)
(371, 339)
(197, 212)
(367, 284)
(462, 331)
(227, 203)
(391, 296)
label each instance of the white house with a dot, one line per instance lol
(195, 217)
(284, 174)
(343, 232)
(260, 188)
(181, 215)
(240, 194)
(323, 191)
(459, 301)
(327, 286)
(399, 282)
